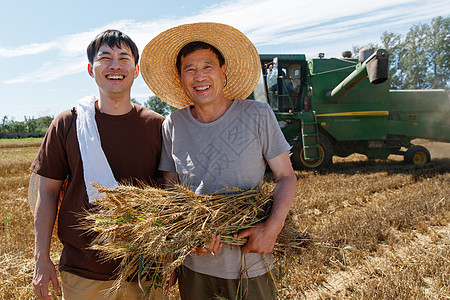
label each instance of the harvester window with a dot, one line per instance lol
(289, 93)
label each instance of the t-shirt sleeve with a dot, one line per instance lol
(51, 160)
(273, 141)
(166, 162)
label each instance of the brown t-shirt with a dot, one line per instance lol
(132, 145)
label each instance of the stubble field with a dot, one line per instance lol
(367, 229)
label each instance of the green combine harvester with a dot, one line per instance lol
(334, 106)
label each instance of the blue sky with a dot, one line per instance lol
(43, 44)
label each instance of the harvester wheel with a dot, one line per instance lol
(325, 150)
(417, 155)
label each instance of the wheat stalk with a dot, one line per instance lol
(152, 230)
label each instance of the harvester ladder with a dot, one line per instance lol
(310, 135)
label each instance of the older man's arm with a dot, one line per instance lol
(262, 237)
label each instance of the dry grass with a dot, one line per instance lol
(16, 221)
(395, 218)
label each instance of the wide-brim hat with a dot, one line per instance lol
(158, 61)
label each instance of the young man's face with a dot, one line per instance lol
(202, 78)
(114, 70)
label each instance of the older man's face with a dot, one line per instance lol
(202, 77)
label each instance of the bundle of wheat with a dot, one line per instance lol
(153, 230)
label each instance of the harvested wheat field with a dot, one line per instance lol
(369, 229)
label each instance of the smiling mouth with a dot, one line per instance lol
(115, 77)
(202, 88)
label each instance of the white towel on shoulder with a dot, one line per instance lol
(95, 165)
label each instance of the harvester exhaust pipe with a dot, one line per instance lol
(372, 63)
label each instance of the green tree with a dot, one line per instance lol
(18, 127)
(439, 53)
(10, 125)
(392, 42)
(420, 59)
(415, 61)
(135, 101)
(159, 106)
(43, 123)
(4, 127)
(31, 124)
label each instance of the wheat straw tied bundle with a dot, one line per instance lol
(153, 230)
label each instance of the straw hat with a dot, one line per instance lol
(243, 67)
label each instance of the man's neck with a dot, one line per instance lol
(115, 106)
(209, 114)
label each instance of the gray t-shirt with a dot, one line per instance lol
(229, 152)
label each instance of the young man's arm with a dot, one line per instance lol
(169, 179)
(44, 220)
(262, 237)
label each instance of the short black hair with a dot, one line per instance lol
(111, 37)
(191, 47)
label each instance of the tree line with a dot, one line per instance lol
(30, 127)
(418, 60)
(37, 127)
(157, 105)
(421, 58)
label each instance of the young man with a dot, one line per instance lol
(217, 141)
(107, 140)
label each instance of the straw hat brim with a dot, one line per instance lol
(158, 61)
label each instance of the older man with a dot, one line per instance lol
(216, 141)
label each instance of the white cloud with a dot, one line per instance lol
(51, 71)
(30, 49)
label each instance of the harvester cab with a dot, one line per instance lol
(284, 87)
(283, 82)
(341, 106)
